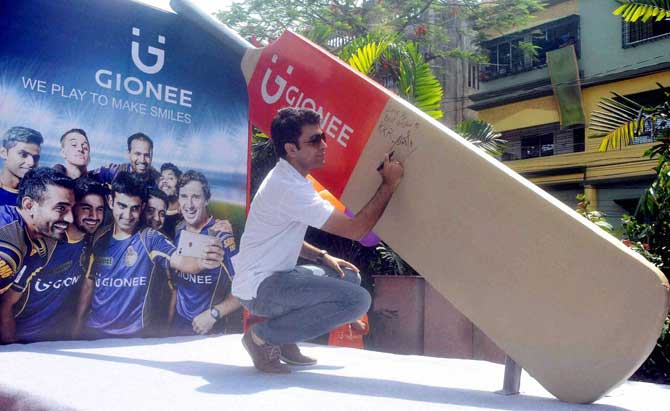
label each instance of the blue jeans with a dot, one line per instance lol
(306, 302)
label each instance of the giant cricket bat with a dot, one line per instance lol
(572, 305)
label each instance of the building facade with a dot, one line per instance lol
(518, 98)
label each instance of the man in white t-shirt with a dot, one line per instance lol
(299, 302)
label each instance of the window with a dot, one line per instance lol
(578, 139)
(537, 146)
(511, 54)
(541, 141)
(649, 98)
(639, 32)
(660, 124)
(473, 76)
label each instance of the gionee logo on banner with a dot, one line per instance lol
(159, 53)
(137, 87)
(332, 126)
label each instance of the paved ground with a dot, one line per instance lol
(215, 373)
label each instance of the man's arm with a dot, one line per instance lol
(309, 252)
(172, 308)
(83, 306)
(355, 228)
(312, 253)
(7, 321)
(204, 321)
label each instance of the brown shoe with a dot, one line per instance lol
(265, 356)
(290, 354)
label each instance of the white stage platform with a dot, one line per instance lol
(215, 373)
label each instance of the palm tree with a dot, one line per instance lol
(481, 134)
(398, 65)
(633, 10)
(619, 120)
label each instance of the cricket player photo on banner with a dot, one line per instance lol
(123, 173)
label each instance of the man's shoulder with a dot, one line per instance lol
(10, 214)
(11, 226)
(148, 236)
(281, 181)
(8, 196)
(103, 234)
(155, 174)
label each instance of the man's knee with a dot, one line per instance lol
(351, 276)
(359, 300)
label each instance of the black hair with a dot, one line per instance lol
(34, 184)
(169, 166)
(154, 192)
(130, 184)
(141, 137)
(74, 130)
(84, 186)
(287, 126)
(21, 135)
(192, 175)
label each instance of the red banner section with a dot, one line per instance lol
(295, 72)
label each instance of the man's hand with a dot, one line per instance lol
(337, 264)
(391, 172)
(203, 322)
(359, 327)
(212, 256)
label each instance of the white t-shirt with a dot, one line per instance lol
(285, 204)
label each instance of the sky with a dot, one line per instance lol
(210, 6)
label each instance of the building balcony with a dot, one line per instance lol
(526, 50)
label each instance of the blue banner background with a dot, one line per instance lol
(50, 52)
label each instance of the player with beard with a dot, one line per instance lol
(203, 298)
(21, 153)
(76, 151)
(42, 305)
(115, 299)
(167, 183)
(154, 213)
(28, 233)
(140, 155)
(154, 217)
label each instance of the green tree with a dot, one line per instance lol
(618, 122)
(482, 135)
(333, 24)
(398, 65)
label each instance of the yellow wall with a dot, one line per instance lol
(543, 110)
(521, 114)
(598, 166)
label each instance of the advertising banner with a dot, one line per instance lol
(116, 93)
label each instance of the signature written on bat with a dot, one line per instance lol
(399, 129)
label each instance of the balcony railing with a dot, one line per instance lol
(526, 50)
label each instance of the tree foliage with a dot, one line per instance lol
(482, 135)
(634, 10)
(333, 24)
(619, 120)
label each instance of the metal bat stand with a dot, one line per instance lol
(512, 379)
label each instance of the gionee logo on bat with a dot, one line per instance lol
(331, 124)
(159, 53)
